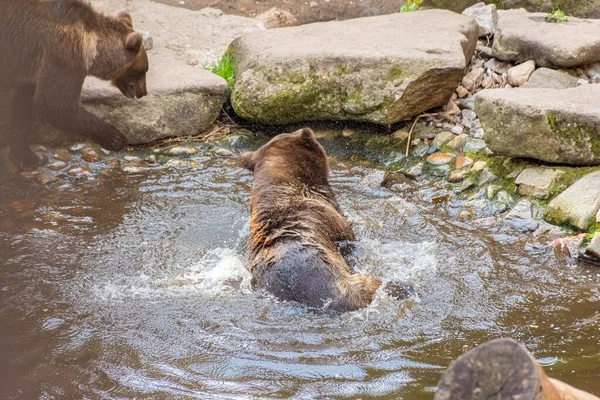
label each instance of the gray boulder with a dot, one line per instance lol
(486, 17)
(558, 126)
(578, 204)
(551, 79)
(537, 182)
(522, 36)
(367, 69)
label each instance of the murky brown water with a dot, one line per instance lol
(133, 286)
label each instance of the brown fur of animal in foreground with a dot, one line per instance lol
(296, 228)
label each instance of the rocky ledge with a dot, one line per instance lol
(368, 69)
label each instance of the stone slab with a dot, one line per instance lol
(522, 36)
(551, 79)
(558, 126)
(366, 69)
(578, 204)
(537, 182)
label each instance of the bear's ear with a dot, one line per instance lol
(247, 160)
(307, 133)
(133, 42)
(125, 18)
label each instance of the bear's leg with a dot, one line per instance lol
(58, 94)
(21, 122)
(351, 252)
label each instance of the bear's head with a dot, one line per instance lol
(290, 156)
(132, 82)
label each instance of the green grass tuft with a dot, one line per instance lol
(557, 16)
(224, 68)
(410, 5)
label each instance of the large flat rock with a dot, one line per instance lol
(378, 69)
(553, 125)
(183, 98)
(578, 204)
(522, 36)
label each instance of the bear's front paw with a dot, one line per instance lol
(24, 159)
(399, 290)
(114, 141)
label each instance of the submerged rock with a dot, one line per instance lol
(520, 218)
(593, 249)
(578, 204)
(558, 126)
(330, 71)
(522, 36)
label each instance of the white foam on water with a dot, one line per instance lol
(220, 272)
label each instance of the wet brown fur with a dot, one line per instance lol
(48, 47)
(293, 206)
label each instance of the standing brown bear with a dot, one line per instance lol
(296, 225)
(47, 48)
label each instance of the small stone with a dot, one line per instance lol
(498, 67)
(520, 74)
(515, 172)
(30, 174)
(458, 142)
(472, 80)
(463, 162)
(504, 197)
(57, 165)
(373, 179)
(537, 182)
(469, 114)
(349, 133)
(468, 103)
(46, 179)
(104, 151)
(313, 4)
(458, 175)
(485, 15)
(131, 158)
(415, 142)
(462, 92)
(113, 162)
(451, 108)
(221, 152)
(520, 218)
(474, 145)
(598, 216)
(134, 168)
(488, 222)
(593, 71)
(581, 82)
(442, 138)
(593, 249)
(487, 81)
(277, 18)
(88, 154)
(457, 129)
(193, 164)
(432, 149)
(415, 170)
(479, 165)
(62, 155)
(491, 191)
(179, 151)
(77, 147)
(486, 177)
(174, 163)
(567, 247)
(79, 171)
(440, 158)
(400, 135)
(478, 133)
(151, 159)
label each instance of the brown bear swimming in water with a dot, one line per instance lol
(296, 225)
(47, 48)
